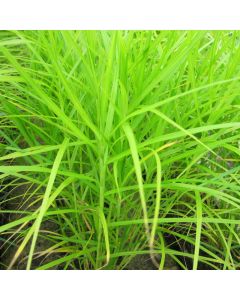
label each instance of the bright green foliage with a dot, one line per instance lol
(128, 142)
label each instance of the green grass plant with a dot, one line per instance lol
(127, 142)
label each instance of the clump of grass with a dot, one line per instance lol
(127, 141)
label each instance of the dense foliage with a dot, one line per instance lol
(118, 144)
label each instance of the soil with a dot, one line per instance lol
(144, 262)
(7, 250)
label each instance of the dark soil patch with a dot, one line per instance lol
(20, 200)
(144, 262)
